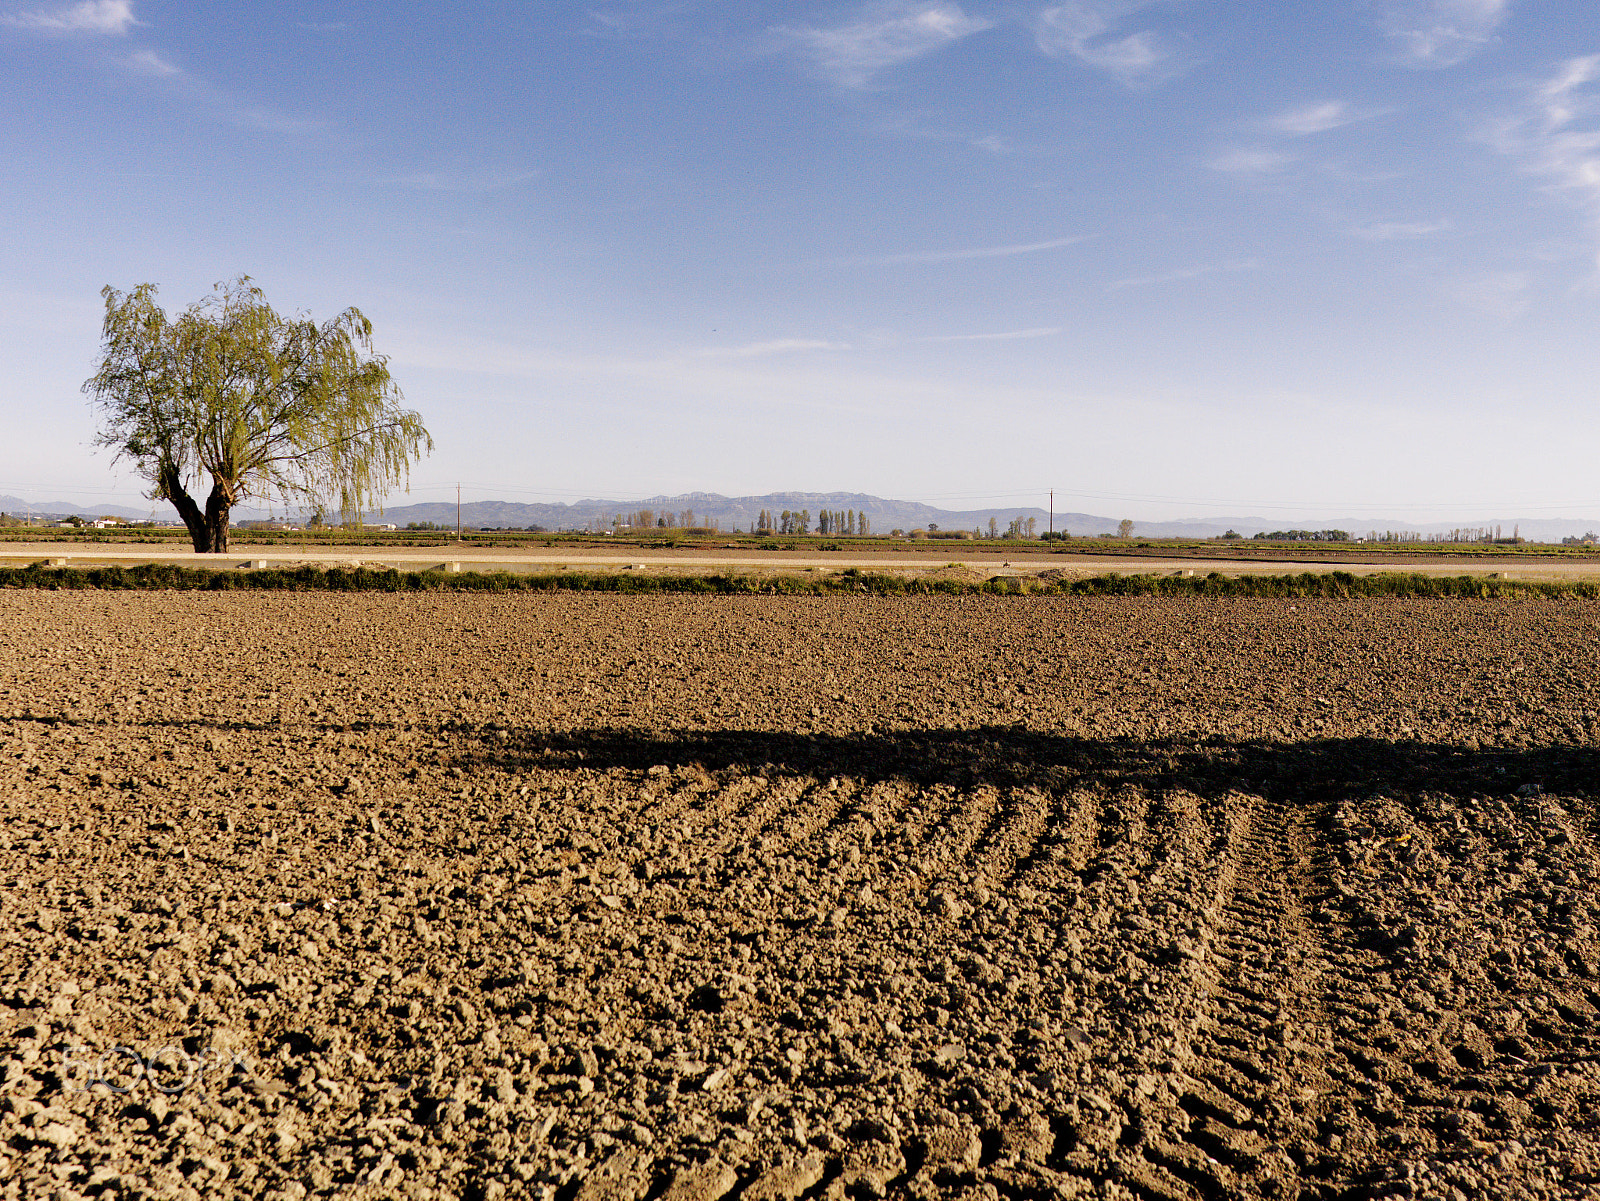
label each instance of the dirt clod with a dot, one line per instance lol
(572, 895)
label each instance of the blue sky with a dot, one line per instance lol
(1180, 258)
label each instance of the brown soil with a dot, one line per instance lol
(626, 897)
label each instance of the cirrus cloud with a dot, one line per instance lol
(888, 35)
(148, 62)
(1084, 30)
(1557, 136)
(954, 256)
(1245, 160)
(1502, 294)
(1314, 118)
(1183, 274)
(1398, 231)
(755, 350)
(114, 17)
(1441, 33)
(1009, 335)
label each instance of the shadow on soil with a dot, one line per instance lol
(1008, 757)
(995, 756)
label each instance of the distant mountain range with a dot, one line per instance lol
(17, 507)
(885, 515)
(729, 512)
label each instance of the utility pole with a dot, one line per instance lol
(1052, 514)
(458, 512)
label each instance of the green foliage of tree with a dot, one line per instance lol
(268, 407)
(1302, 536)
(790, 522)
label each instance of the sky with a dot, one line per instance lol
(1169, 259)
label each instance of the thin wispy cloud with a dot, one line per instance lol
(113, 17)
(1314, 118)
(148, 62)
(1557, 137)
(1250, 161)
(186, 87)
(116, 18)
(1010, 335)
(1502, 294)
(464, 182)
(917, 125)
(953, 256)
(189, 88)
(636, 18)
(1181, 274)
(1086, 30)
(756, 350)
(886, 36)
(993, 143)
(1440, 33)
(1398, 231)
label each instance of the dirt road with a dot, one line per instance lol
(622, 897)
(682, 559)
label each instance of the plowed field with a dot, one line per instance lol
(635, 897)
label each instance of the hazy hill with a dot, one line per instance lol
(885, 515)
(731, 511)
(17, 507)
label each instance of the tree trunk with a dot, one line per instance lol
(208, 530)
(217, 509)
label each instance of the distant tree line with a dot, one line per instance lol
(1487, 534)
(650, 519)
(1019, 527)
(1305, 536)
(847, 522)
(1484, 533)
(788, 522)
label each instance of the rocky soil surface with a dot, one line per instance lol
(670, 897)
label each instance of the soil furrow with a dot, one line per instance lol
(1261, 1032)
(433, 916)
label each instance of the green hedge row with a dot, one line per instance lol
(163, 576)
(1325, 584)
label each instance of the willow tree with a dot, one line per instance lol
(267, 407)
